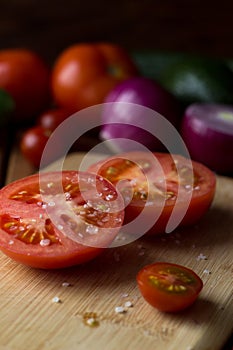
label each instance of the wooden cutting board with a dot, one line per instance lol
(29, 319)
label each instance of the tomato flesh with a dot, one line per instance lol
(169, 287)
(157, 185)
(46, 224)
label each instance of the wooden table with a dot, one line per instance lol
(30, 319)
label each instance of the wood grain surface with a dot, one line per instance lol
(30, 319)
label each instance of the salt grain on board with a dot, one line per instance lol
(56, 300)
(128, 304)
(119, 309)
(66, 284)
(201, 257)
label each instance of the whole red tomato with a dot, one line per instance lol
(32, 145)
(26, 77)
(33, 142)
(51, 118)
(84, 73)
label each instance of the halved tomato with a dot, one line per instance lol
(169, 287)
(162, 183)
(58, 219)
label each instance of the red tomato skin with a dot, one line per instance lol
(26, 77)
(83, 74)
(32, 144)
(52, 118)
(55, 262)
(167, 301)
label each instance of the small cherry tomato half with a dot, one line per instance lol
(51, 118)
(26, 77)
(157, 190)
(58, 219)
(169, 287)
(83, 74)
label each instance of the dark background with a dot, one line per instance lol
(49, 26)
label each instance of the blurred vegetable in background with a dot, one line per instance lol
(7, 106)
(207, 130)
(191, 78)
(51, 118)
(199, 80)
(40, 97)
(25, 76)
(137, 91)
(83, 74)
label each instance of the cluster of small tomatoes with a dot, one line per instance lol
(44, 96)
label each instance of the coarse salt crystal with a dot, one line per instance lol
(66, 284)
(67, 194)
(45, 242)
(128, 304)
(124, 295)
(11, 242)
(50, 184)
(206, 271)
(91, 321)
(56, 300)
(201, 257)
(117, 219)
(109, 197)
(119, 309)
(90, 180)
(92, 230)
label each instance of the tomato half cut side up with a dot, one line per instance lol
(169, 287)
(148, 187)
(58, 219)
